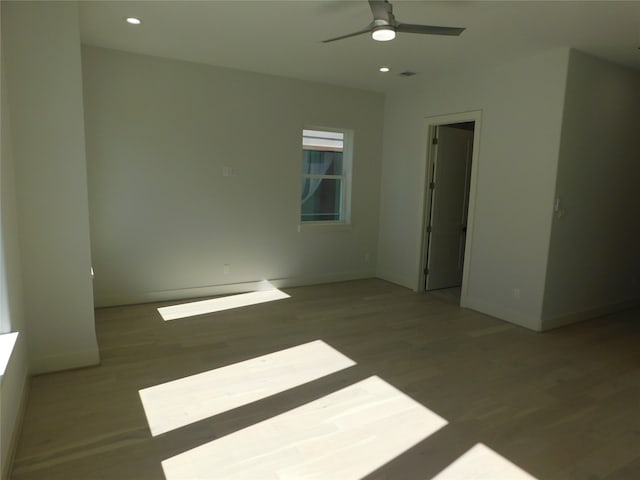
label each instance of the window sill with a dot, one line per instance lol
(324, 227)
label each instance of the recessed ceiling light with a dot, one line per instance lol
(133, 20)
(384, 69)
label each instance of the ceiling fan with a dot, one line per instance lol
(384, 25)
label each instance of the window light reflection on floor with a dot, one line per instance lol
(344, 435)
(219, 304)
(7, 343)
(482, 463)
(184, 401)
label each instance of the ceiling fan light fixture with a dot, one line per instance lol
(133, 20)
(383, 33)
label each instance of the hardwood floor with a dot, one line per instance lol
(451, 295)
(558, 405)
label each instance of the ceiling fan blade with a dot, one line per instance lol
(429, 29)
(381, 10)
(367, 30)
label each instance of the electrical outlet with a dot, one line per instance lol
(226, 268)
(367, 257)
(516, 293)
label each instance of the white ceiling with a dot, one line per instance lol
(284, 37)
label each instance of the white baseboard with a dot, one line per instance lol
(228, 289)
(501, 313)
(561, 321)
(56, 363)
(549, 323)
(397, 279)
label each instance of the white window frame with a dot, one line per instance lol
(347, 168)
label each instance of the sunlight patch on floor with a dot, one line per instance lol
(7, 342)
(191, 309)
(482, 463)
(184, 401)
(344, 435)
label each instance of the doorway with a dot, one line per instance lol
(448, 207)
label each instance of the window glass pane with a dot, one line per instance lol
(321, 199)
(322, 163)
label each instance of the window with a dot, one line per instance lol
(326, 164)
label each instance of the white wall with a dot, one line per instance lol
(44, 84)
(521, 105)
(14, 378)
(594, 259)
(164, 220)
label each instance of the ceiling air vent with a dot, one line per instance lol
(407, 73)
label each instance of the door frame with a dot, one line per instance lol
(430, 124)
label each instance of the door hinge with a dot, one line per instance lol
(426, 271)
(432, 185)
(429, 229)
(434, 141)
